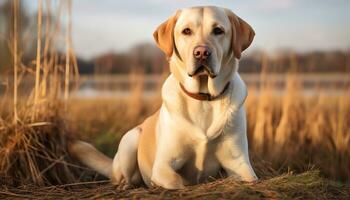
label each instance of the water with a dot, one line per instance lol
(119, 86)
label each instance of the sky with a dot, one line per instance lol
(101, 26)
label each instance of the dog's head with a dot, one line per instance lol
(203, 45)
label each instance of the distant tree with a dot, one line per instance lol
(143, 57)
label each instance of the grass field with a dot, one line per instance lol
(298, 147)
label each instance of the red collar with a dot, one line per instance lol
(204, 96)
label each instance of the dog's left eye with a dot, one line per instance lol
(187, 31)
(218, 31)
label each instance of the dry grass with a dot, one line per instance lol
(308, 185)
(32, 131)
(36, 153)
(296, 131)
(109, 121)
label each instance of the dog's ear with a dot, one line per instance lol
(242, 34)
(164, 35)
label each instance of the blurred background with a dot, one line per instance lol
(115, 37)
(100, 58)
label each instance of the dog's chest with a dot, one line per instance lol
(206, 113)
(210, 118)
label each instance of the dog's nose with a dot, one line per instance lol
(201, 52)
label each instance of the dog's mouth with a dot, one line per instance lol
(203, 70)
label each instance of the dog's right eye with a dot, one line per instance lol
(218, 31)
(187, 31)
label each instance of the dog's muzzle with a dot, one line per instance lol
(202, 55)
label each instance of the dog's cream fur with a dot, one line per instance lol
(187, 140)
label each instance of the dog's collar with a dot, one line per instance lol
(204, 96)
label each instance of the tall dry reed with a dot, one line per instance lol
(15, 59)
(293, 130)
(33, 148)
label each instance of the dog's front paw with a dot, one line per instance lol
(250, 177)
(168, 183)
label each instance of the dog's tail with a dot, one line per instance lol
(91, 157)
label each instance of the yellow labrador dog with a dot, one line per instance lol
(200, 129)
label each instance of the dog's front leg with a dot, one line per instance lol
(234, 159)
(235, 162)
(232, 151)
(169, 158)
